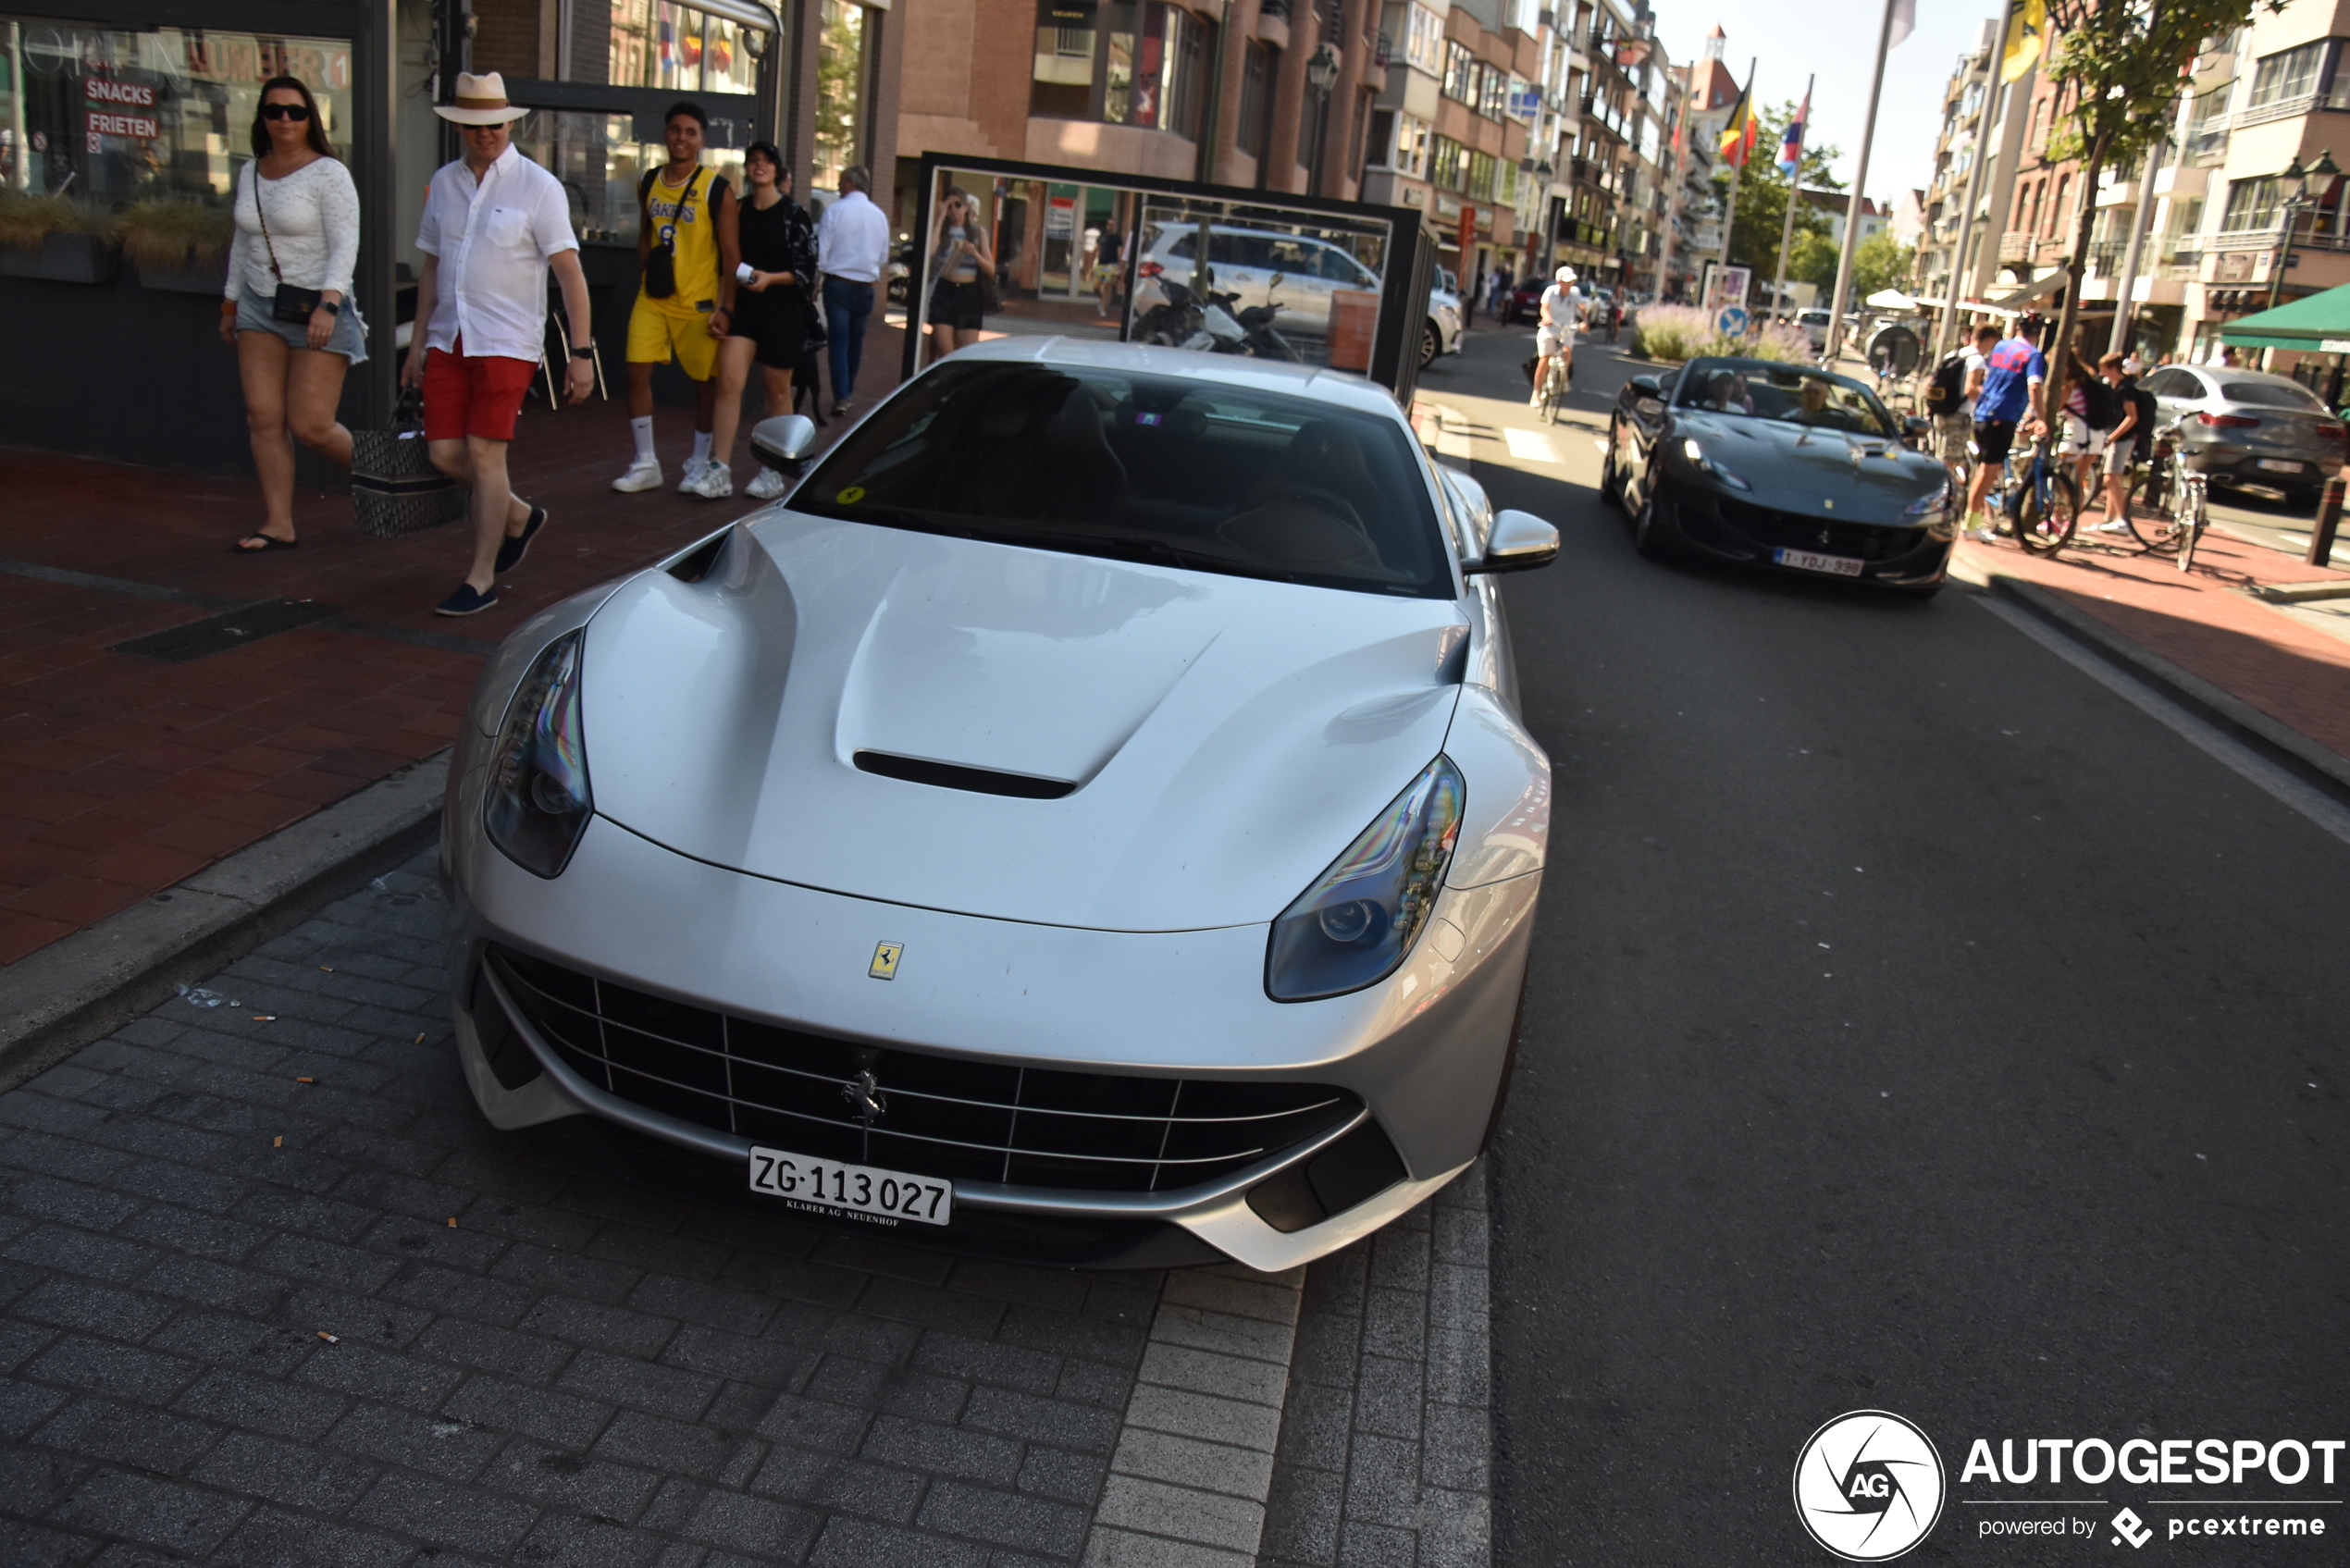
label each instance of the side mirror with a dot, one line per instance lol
(1915, 428)
(1519, 542)
(784, 442)
(1279, 278)
(1645, 387)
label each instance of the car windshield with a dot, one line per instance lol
(2271, 394)
(1786, 392)
(1165, 468)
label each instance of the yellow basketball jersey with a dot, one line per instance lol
(687, 222)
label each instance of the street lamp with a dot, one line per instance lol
(2304, 189)
(1321, 71)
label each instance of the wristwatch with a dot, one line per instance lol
(332, 307)
(579, 351)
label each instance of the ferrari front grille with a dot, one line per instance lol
(911, 1110)
(1793, 530)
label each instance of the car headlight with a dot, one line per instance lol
(1357, 923)
(539, 802)
(1935, 499)
(1704, 464)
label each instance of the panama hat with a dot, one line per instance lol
(482, 100)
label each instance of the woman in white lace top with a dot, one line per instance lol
(297, 236)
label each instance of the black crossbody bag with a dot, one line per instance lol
(660, 264)
(288, 303)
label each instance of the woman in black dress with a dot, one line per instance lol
(778, 250)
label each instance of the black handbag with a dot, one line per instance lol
(289, 304)
(395, 491)
(661, 262)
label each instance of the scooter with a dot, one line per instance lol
(1250, 330)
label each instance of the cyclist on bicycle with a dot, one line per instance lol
(1562, 313)
(2014, 382)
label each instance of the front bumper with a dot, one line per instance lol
(1423, 1052)
(1893, 555)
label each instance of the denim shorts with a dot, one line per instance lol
(348, 337)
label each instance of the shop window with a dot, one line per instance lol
(660, 44)
(840, 92)
(116, 117)
(600, 161)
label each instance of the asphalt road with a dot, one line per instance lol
(1915, 1024)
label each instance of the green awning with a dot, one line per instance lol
(2319, 324)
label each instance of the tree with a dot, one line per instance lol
(1754, 229)
(1812, 256)
(1879, 262)
(2122, 64)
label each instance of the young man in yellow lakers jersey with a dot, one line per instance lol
(685, 245)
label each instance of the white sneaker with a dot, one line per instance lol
(714, 483)
(767, 487)
(694, 468)
(643, 474)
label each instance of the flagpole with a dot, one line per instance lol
(1860, 185)
(1737, 171)
(1794, 191)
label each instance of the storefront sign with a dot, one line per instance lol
(132, 95)
(143, 127)
(1060, 216)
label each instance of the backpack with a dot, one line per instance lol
(2100, 404)
(2142, 436)
(1948, 389)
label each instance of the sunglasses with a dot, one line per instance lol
(295, 112)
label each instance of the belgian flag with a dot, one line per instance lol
(1738, 136)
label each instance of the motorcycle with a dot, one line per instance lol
(1221, 325)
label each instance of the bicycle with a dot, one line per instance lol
(1555, 388)
(2149, 486)
(2189, 499)
(2043, 504)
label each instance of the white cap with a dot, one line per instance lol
(1566, 275)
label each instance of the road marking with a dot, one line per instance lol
(2288, 789)
(1531, 445)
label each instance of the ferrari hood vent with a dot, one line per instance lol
(952, 776)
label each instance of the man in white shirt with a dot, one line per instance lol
(852, 246)
(497, 221)
(1562, 312)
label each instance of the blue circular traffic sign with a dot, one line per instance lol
(1732, 322)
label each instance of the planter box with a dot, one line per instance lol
(64, 258)
(206, 279)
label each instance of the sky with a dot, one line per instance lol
(1838, 40)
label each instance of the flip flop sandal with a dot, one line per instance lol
(270, 542)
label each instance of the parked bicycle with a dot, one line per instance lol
(2040, 500)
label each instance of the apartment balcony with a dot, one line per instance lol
(2016, 247)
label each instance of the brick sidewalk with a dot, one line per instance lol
(2204, 622)
(121, 772)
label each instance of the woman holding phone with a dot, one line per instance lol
(288, 310)
(960, 253)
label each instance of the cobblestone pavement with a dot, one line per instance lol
(272, 1292)
(1384, 1459)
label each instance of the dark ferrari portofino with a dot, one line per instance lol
(1778, 465)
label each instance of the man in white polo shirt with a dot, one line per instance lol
(493, 223)
(853, 245)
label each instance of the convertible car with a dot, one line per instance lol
(1088, 820)
(1778, 465)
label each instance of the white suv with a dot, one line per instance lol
(1245, 261)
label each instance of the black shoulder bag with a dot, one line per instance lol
(660, 264)
(288, 303)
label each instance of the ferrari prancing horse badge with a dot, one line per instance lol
(885, 959)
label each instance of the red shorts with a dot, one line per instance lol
(473, 396)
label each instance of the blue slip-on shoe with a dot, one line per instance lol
(511, 551)
(467, 601)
